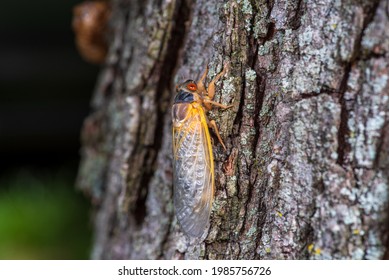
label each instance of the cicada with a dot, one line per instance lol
(193, 166)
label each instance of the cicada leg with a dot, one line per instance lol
(210, 102)
(210, 92)
(211, 86)
(212, 124)
(200, 83)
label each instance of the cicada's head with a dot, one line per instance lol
(185, 92)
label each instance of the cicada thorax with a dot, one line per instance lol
(181, 107)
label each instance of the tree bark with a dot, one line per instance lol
(305, 174)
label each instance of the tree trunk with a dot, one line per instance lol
(306, 171)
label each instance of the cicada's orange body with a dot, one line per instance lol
(194, 176)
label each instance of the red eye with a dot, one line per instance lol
(192, 86)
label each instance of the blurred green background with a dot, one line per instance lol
(45, 88)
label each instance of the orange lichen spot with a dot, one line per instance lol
(310, 248)
(90, 26)
(279, 214)
(356, 232)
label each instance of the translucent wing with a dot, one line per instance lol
(193, 172)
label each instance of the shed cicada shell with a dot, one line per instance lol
(193, 165)
(90, 25)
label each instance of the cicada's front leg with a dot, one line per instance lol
(211, 86)
(209, 93)
(207, 99)
(200, 83)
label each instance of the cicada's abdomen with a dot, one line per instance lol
(193, 168)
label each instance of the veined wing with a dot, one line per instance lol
(193, 172)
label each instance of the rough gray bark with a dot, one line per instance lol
(306, 171)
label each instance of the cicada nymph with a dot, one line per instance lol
(193, 167)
